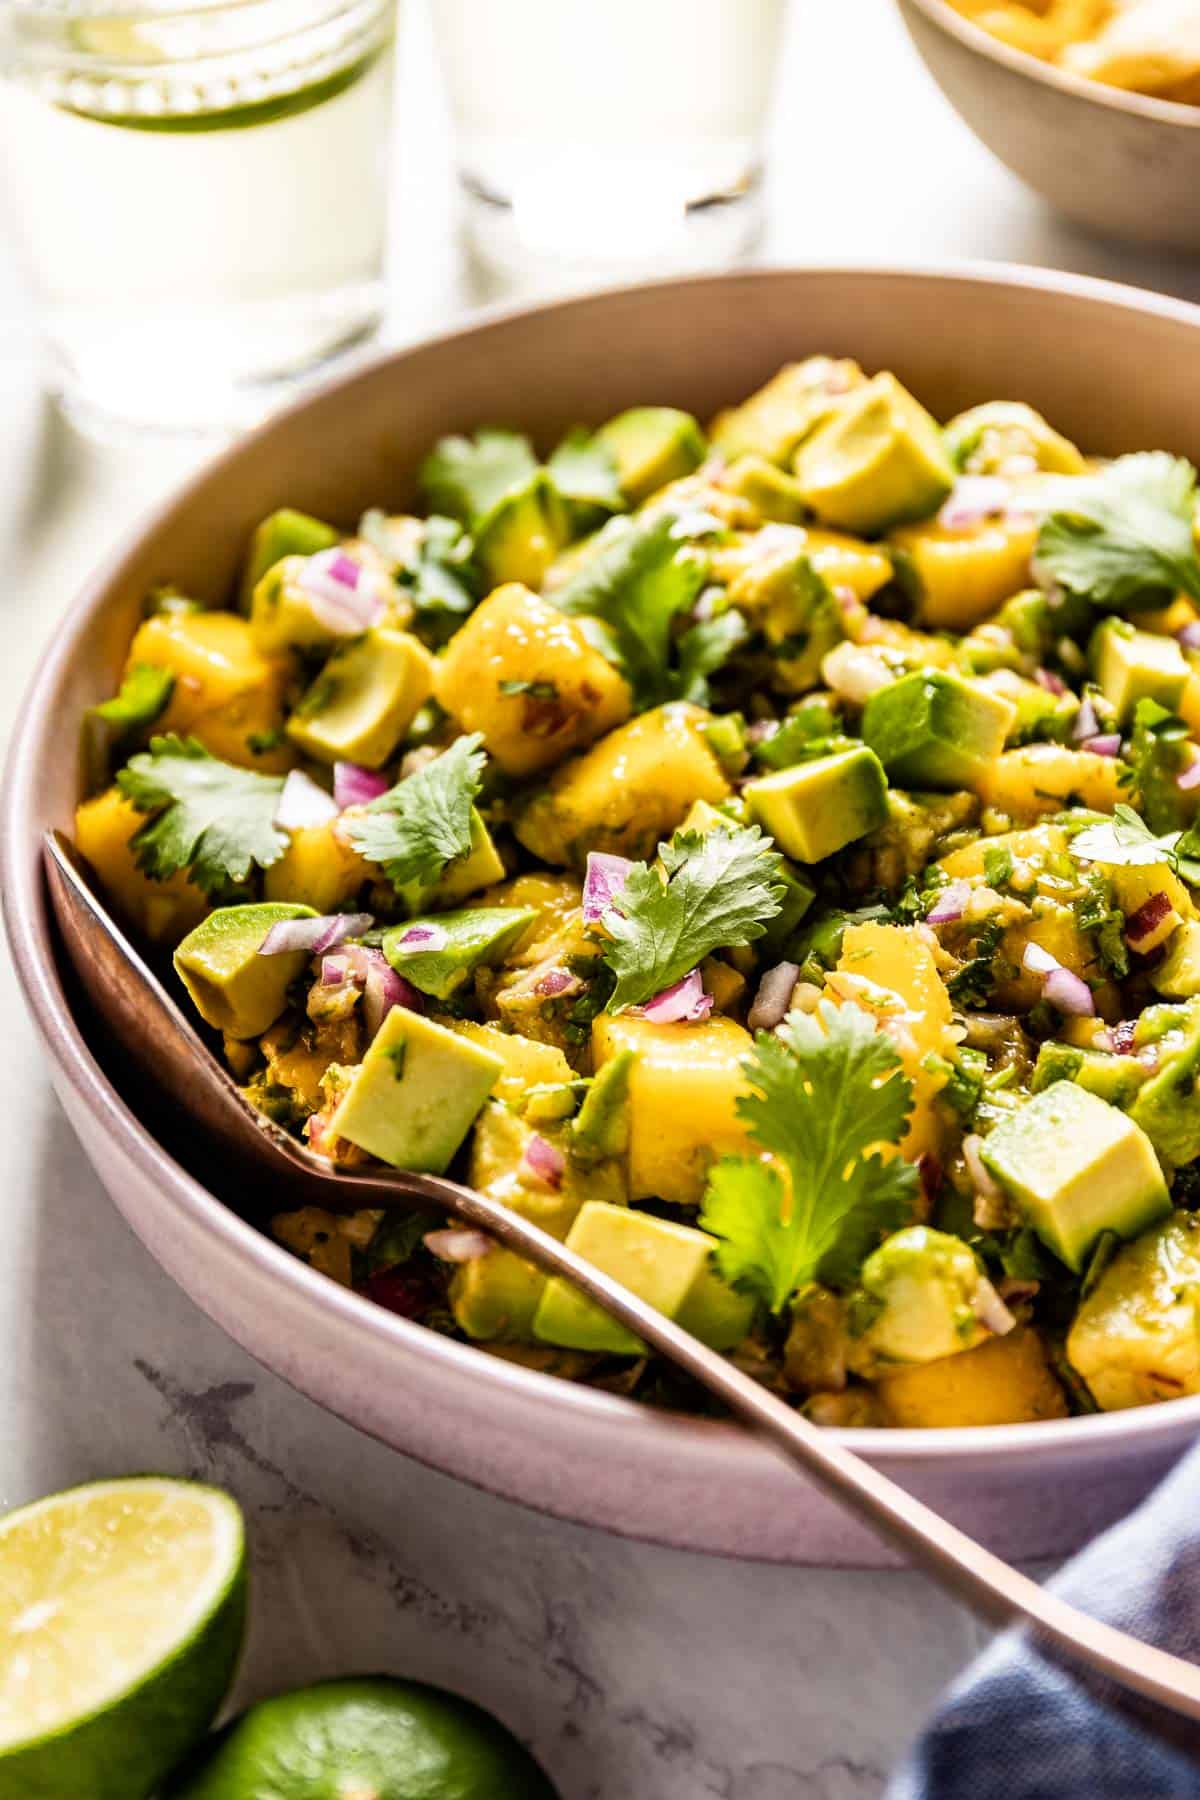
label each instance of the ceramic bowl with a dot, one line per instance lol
(1122, 164)
(1113, 368)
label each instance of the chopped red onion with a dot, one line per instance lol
(382, 990)
(991, 1311)
(1190, 777)
(685, 1002)
(1070, 993)
(1123, 1037)
(1105, 743)
(1147, 919)
(950, 904)
(1087, 725)
(342, 600)
(1012, 1288)
(319, 1135)
(302, 803)
(556, 982)
(974, 499)
(1039, 961)
(335, 970)
(314, 935)
(1189, 637)
(848, 601)
(1053, 684)
(458, 1244)
(355, 786)
(982, 1179)
(603, 884)
(419, 939)
(773, 996)
(544, 1161)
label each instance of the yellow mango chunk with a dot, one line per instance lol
(165, 911)
(1030, 846)
(1043, 778)
(627, 792)
(227, 693)
(318, 868)
(961, 576)
(889, 970)
(683, 1095)
(1055, 929)
(1006, 1381)
(525, 675)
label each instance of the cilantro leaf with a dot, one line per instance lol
(210, 817)
(584, 470)
(1124, 537)
(1157, 755)
(144, 693)
(972, 982)
(466, 477)
(721, 889)
(826, 1093)
(1096, 911)
(703, 650)
(1124, 841)
(634, 585)
(423, 823)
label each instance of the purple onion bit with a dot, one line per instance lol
(303, 803)
(458, 1244)
(557, 983)
(1189, 777)
(974, 499)
(1064, 989)
(603, 884)
(544, 1161)
(1104, 743)
(355, 786)
(1143, 923)
(1087, 725)
(314, 935)
(1053, 684)
(1189, 636)
(418, 940)
(685, 1002)
(773, 997)
(950, 904)
(344, 596)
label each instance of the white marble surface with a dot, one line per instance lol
(638, 1674)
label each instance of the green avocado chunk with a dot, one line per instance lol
(1167, 1105)
(1131, 665)
(364, 699)
(986, 439)
(481, 867)
(232, 986)
(932, 729)
(1112, 1078)
(1136, 1336)
(663, 1263)
(875, 462)
(781, 414)
(440, 953)
(772, 493)
(801, 618)
(283, 533)
(820, 806)
(1076, 1167)
(523, 533)
(416, 1093)
(652, 445)
(916, 1302)
(1178, 974)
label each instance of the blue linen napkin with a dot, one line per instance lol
(1018, 1725)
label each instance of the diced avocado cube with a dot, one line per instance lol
(283, 533)
(772, 493)
(416, 1093)
(1178, 974)
(1076, 1167)
(663, 1263)
(801, 617)
(932, 729)
(780, 415)
(916, 1301)
(233, 987)
(875, 462)
(496, 1296)
(818, 807)
(481, 867)
(602, 1126)
(523, 533)
(1113, 1078)
(1167, 1106)
(987, 438)
(440, 953)
(1136, 1336)
(1131, 665)
(652, 445)
(364, 699)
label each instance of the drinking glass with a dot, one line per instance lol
(200, 191)
(610, 131)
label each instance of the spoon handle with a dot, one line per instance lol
(992, 1589)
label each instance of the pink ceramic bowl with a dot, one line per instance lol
(1115, 369)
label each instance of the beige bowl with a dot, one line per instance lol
(1113, 368)
(1122, 164)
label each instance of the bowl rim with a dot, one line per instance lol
(943, 16)
(30, 935)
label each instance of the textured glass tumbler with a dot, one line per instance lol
(199, 190)
(610, 131)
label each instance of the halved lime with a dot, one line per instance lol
(367, 1739)
(122, 1606)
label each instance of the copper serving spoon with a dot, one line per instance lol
(151, 1028)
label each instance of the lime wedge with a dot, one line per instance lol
(367, 1739)
(122, 1607)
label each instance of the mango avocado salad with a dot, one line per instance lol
(766, 857)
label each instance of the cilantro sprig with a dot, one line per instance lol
(423, 824)
(708, 892)
(210, 817)
(1127, 841)
(827, 1092)
(1124, 537)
